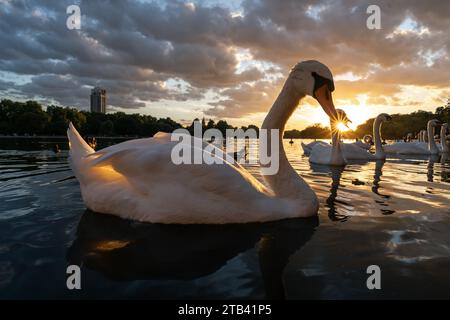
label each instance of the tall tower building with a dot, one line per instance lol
(98, 100)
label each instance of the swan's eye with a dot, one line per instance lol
(320, 81)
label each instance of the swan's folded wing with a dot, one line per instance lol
(152, 168)
(158, 138)
(106, 158)
(162, 136)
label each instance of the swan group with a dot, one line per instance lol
(326, 154)
(338, 153)
(136, 179)
(418, 147)
(353, 151)
(444, 146)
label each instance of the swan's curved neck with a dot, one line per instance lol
(282, 108)
(379, 152)
(431, 143)
(286, 182)
(445, 148)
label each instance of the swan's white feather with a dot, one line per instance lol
(136, 179)
(321, 154)
(407, 148)
(353, 150)
(308, 147)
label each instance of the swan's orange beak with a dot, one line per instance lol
(323, 96)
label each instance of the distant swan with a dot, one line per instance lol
(354, 152)
(416, 148)
(325, 154)
(421, 136)
(347, 147)
(321, 153)
(362, 144)
(136, 179)
(308, 147)
(444, 146)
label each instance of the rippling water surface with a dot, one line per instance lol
(394, 214)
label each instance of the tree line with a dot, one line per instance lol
(400, 126)
(29, 118)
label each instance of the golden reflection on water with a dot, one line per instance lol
(108, 245)
(395, 186)
(394, 214)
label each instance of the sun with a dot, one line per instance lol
(342, 127)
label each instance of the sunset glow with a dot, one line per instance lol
(342, 127)
(226, 69)
(203, 152)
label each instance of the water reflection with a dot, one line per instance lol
(376, 186)
(430, 167)
(377, 178)
(126, 250)
(41, 207)
(336, 174)
(445, 167)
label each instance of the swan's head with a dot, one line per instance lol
(314, 79)
(384, 117)
(444, 128)
(433, 123)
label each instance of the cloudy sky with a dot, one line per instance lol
(225, 59)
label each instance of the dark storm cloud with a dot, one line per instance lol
(337, 35)
(6, 85)
(132, 47)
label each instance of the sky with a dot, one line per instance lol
(226, 59)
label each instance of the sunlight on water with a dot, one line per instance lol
(403, 186)
(395, 214)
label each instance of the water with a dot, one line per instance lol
(395, 215)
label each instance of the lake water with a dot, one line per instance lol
(394, 214)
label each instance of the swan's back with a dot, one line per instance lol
(406, 148)
(307, 148)
(321, 154)
(361, 145)
(354, 152)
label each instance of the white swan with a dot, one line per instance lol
(421, 136)
(354, 152)
(424, 136)
(136, 179)
(322, 153)
(330, 155)
(416, 147)
(444, 147)
(361, 144)
(308, 147)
